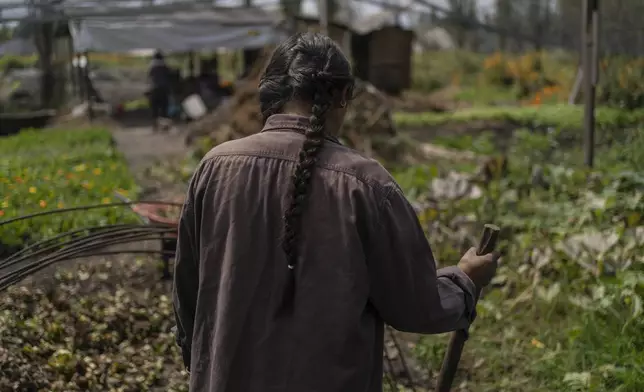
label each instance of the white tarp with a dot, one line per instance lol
(206, 30)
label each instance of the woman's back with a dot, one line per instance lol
(333, 339)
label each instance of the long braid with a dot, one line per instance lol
(301, 187)
(293, 74)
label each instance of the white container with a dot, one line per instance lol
(194, 107)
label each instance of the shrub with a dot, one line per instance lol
(621, 82)
(525, 72)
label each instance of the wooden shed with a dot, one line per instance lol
(383, 57)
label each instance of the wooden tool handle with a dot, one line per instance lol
(488, 241)
(457, 341)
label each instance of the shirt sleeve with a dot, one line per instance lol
(406, 289)
(186, 269)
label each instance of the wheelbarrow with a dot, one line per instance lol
(157, 215)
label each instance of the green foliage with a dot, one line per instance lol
(44, 170)
(565, 311)
(560, 116)
(622, 83)
(434, 70)
(9, 62)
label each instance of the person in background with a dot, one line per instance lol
(294, 251)
(209, 82)
(159, 76)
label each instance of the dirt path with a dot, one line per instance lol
(142, 147)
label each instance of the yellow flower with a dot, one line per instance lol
(42, 204)
(87, 185)
(537, 343)
(5, 204)
(106, 200)
(80, 168)
(60, 205)
(32, 189)
(97, 171)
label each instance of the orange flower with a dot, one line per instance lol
(42, 204)
(1, 213)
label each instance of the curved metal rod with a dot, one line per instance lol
(82, 246)
(40, 264)
(389, 372)
(6, 284)
(410, 379)
(89, 207)
(55, 238)
(11, 260)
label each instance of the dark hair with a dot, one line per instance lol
(158, 55)
(310, 68)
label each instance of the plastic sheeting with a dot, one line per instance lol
(18, 47)
(173, 33)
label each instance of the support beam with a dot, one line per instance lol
(108, 10)
(590, 63)
(323, 10)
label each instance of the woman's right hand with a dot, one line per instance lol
(480, 269)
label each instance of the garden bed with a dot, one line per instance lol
(559, 116)
(41, 171)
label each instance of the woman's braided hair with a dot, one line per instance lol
(309, 68)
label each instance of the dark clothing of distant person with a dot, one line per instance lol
(365, 261)
(159, 76)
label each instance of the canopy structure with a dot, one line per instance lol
(170, 27)
(232, 28)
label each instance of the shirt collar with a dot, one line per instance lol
(292, 122)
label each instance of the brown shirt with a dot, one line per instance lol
(364, 261)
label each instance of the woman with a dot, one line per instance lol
(294, 250)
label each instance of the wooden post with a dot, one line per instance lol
(250, 55)
(85, 66)
(576, 87)
(590, 55)
(323, 6)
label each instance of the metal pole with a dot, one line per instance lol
(590, 54)
(323, 6)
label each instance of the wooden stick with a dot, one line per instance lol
(457, 341)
